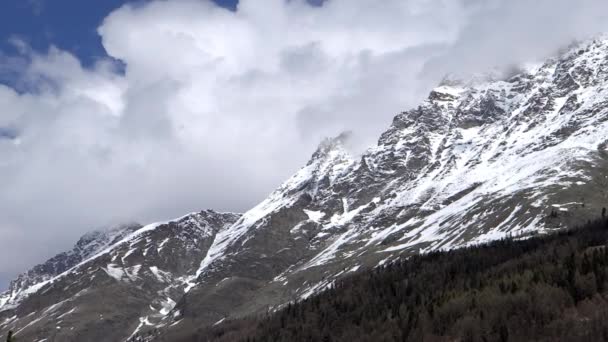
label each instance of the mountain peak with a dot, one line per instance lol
(329, 148)
(477, 161)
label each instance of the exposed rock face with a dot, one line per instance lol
(475, 162)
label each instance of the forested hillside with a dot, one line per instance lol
(551, 288)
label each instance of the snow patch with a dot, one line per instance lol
(315, 216)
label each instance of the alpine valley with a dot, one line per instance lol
(479, 160)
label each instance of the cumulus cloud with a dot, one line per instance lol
(211, 108)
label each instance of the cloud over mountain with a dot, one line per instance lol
(210, 108)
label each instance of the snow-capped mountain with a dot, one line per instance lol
(121, 285)
(88, 245)
(477, 161)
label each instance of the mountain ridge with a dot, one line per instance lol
(88, 245)
(475, 162)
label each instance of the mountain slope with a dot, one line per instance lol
(551, 288)
(477, 161)
(123, 287)
(88, 245)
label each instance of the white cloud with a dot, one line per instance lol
(216, 108)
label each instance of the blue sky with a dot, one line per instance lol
(68, 24)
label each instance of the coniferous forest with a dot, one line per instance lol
(550, 288)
